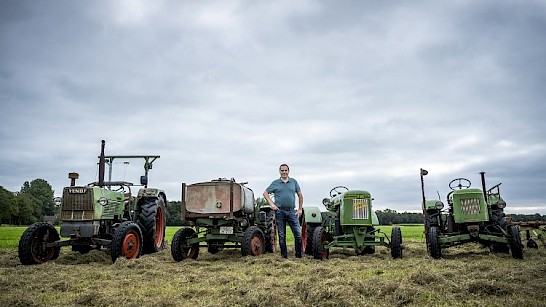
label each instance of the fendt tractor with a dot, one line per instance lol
(102, 214)
(222, 214)
(472, 215)
(349, 222)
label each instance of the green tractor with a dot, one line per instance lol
(101, 214)
(222, 214)
(473, 215)
(349, 222)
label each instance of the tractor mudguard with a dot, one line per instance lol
(149, 192)
(375, 220)
(312, 215)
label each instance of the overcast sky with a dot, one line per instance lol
(354, 93)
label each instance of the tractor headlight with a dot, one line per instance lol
(103, 201)
(501, 204)
(439, 205)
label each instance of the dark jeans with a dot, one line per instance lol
(290, 216)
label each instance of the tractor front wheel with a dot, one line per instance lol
(320, 237)
(152, 221)
(180, 249)
(396, 242)
(253, 242)
(515, 242)
(126, 242)
(32, 248)
(434, 248)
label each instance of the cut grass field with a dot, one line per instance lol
(467, 276)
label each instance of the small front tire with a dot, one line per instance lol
(434, 247)
(396, 243)
(31, 244)
(126, 242)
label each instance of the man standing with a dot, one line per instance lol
(284, 190)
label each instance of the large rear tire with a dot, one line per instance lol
(320, 237)
(515, 242)
(310, 230)
(396, 242)
(434, 248)
(126, 241)
(180, 249)
(253, 242)
(270, 232)
(152, 221)
(31, 247)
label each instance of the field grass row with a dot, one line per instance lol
(10, 235)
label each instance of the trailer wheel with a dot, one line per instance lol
(396, 242)
(434, 248)
(253, 242)
(515, 242)
(152, 222)
(126, 241)
(320, 237)
(31, 248)
(180, 249)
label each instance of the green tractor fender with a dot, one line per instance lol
(312, 215)
(149, 192)
(375, 220)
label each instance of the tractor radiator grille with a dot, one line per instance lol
(77, 204)
(360, 208)
(470, 206)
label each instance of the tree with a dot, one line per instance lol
(173, 213)
(28, 210)
(41, 190)
(7, 205)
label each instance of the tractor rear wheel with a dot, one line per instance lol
(126, 241)
(270, 232)
(320, 237)
(515, 242)
(31, 244)
(152, 222)
(253, 242)
(396, 242)
(434, 248)
(309, 231)
(180, 249)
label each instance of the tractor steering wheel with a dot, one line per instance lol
(337, 192)
(460, 185)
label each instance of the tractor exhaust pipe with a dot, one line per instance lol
(482, 175)
(102, 165)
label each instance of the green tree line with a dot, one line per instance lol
(29, 205)
(35, 200)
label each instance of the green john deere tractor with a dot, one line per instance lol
(349, 222)
(222, 214)
(101, 214)
(473, 215)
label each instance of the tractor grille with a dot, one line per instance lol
(361, 208)
(470, 206)
(77, 204)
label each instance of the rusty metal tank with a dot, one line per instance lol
(217, 197)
